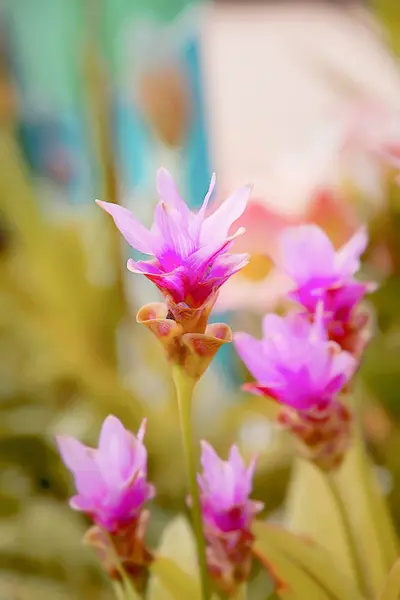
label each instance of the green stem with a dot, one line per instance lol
(350, 541)
(130, 592)
(125, 589)
(119, 592)
(184, 389)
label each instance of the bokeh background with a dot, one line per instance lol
(96, 94)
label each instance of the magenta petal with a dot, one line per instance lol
(144, 267)
(133, 231)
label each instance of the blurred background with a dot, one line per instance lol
(298, 98)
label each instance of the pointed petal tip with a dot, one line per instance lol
(142, 430)
(61, 440)
(111, 419)
(163, 171)
(206, 446)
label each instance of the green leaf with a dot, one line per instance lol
(293, 582)
(174, 580)
(310, 557)
(313, 512)
(174, 572)
(391, 590)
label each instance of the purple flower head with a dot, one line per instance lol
(111, 481)
(295, 363)
(225, 487)
(321, 273)
(189, 250)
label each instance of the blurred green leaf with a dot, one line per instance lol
(391, 590)
(175, 568)
(310, 557)
(292, 582)
(313, 512)
(174, 580)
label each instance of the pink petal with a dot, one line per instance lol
(83, 504)
(74, 454)
(236, 460)
(218, 224)
(348, 257)
(114, 455)
(174, 233)
(144, 267)
(142, 430)
(169, 282)
(168, 192)
(204, 256)
(227, 265)
(273, 325)
(207, 197)
(79, 460)
(136, 234)
(307, 253)
(251, 352)
(209, 458)
(198, 219)
(344, 363)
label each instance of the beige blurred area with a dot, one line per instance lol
(279, 73)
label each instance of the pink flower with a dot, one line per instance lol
(190, 250)
(111, 481)
(320, 273)
(295, 363)
(228, 513)
(225, 488)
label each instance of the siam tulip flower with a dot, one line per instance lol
(228, 513)
(298, 366)
(295, 363)
(322, 274)
(111, 481)
(190, 250)
(112, 489)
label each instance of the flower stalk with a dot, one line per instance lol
(184, 388)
